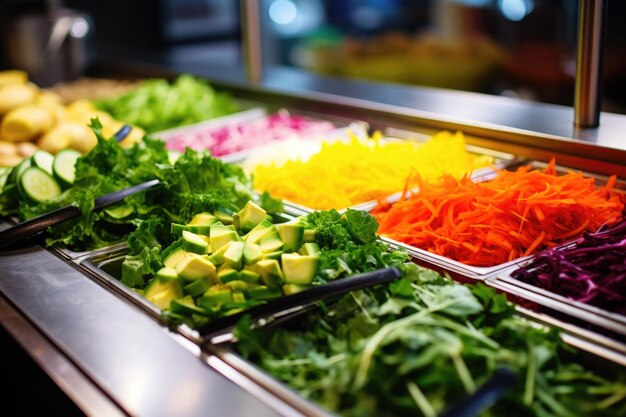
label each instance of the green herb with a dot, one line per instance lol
(421, 344)
(158, 105)
(196, 182)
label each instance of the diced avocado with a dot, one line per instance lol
(161, 293)
(250, 216)
(193, 268)
(255, 235)
(166, 274)
(252, 253)
(177, 229)
(249, 276)
(271, 243)
(239, 298)
(299, 269)
(223, 216)
(292, 235)
(199, 229)
(310, 248)
(194, 243)
(227, 274)
(309, 235)
(217, 257)
(202, 219)
(273, 255)
(186, 306)
(263, 292)
(237, 285)
(236, 221)
(234, 254)
(212, 297)
(221, 235)
(290, 289)
(198, 286)
(173, 258)
(270, 272)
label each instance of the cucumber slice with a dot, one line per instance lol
(18, 170)
(121, 212)
(43, 160)
(37, 185)
(63, 167)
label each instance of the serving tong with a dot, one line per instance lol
(39, 224)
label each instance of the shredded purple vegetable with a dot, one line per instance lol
(592, 271)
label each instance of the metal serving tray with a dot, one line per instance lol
(612, 322)
(461, 270)
(601, 358)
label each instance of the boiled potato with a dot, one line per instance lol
(133, 137)
(13, 77)
(26, 123)
(82, 138)
(7, 148)
(26, 149)
(13, 96)
(10, 160)
(51, 102)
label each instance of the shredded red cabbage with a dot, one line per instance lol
(592, 271)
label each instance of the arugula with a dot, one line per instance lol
(422, 343)
(158, 105)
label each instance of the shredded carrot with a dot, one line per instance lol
(346, 173)
(489, 223)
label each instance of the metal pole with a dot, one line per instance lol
(591, 22)
(251, 31)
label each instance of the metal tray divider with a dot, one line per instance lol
(573, 311)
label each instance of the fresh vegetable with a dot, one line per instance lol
(227, 268)
(346, 173)
(234, 138)
(195, 183)
(421, 344)
(158, 105)
(488, 223)
(32, 119)
(592, 271)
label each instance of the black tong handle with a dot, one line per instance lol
(39, 224)
(332, 289)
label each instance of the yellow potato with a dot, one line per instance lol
(26, 149)
(81, 137)
(26, 123)
(53, 105)
(13, 77)
(133, 137)
(10, 160)
(7, 148)
(13, 96)
(54, 140)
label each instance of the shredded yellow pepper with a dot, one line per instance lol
(343, 174)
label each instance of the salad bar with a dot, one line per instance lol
(268, 252)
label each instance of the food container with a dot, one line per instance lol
(611, 323)
(463, 271)
(595, 356)
(502, 160)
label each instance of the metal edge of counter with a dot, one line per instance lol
(105, 339)
(527, 129)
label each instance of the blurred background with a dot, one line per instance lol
(517, 48)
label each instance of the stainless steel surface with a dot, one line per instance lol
(600, 317)
(251, 26)
(59, 368)
(591, 23)
(129, 356)
(527, 129)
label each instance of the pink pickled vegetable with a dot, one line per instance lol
(242, 136)
(592, 271)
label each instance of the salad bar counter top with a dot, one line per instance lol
(200, 295)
